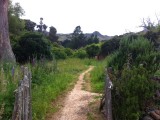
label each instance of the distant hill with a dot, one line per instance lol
(101, 37)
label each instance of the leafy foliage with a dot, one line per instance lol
(134, 64)
(78, 39)
(52, 34)
(59, 53)
(80, 54)
(110, 46)
(29, 25)
(92, 39)
(92, 50)
(140, 50)
(131, 93)
(32, 45)
(69, 52)
(16, 25)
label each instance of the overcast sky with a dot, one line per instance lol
(109, 17)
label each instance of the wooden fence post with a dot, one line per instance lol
(108, 98)
(22, 106)
(30, 96)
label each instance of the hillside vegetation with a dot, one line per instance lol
(55, 65)
(135, 61)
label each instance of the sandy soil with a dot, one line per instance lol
(75, 106)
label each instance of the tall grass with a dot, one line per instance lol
(48, 84)
(49, 80)
(9, 77)
(97, 75)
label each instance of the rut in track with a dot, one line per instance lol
(75, 106)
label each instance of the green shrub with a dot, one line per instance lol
(137, 51)
(131, 92)
(110, 46)
(92, 50)
(134, 64)
(68, 51)
(80, 54)
(31, 45)
(59, 53)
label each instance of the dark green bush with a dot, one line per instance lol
(80, 54)
(131, 92)
(110, 46)
(134, 65)
(92, 50)
(68, 51)
(31, 45)
(59, 53)
(140, 51)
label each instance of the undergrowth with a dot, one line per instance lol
(49, 83)
(98, 76)
(9, 76)
(50, 79)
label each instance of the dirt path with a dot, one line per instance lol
(75, 105)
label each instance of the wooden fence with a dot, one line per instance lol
(108, 97)
(22, 106)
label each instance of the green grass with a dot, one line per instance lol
(53, 84)
(50, 80)
(8, 84)
(98, 74)
(98, 77)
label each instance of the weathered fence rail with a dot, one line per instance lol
(22, 106)
(106, 101)
(108, 97)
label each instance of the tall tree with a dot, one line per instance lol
(29, 25)
(42, 27)
(78, 39)
(6, 53)
(52, 34)
(16, 25)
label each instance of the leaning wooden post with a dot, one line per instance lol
(30, 96)
(108, 98)
(22, 107)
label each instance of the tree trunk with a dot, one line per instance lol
(6, 53)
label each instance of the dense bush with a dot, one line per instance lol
(59, 53)
(110, 46)
(92, 50)
(69, 51)
(131, 93)
(137, 51)
(31, 45)
(80, 54)
(134, 64)
(153, 36)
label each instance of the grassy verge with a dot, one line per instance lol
(9, 77)
(94, 113)
(98, 76)
(94, 82)
(48, 84)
